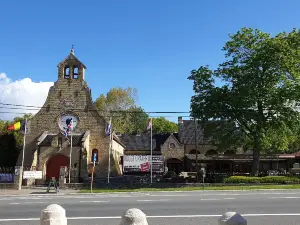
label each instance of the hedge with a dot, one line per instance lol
(265, 180)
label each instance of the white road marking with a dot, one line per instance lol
(153, 200)
(158, 216)
(18, 203)
(209, 199)
(229, 198)
(93, 201)
(168, 195)
(284, 197)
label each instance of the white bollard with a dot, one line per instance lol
(134, 217)
(232, 218)
(53, 215)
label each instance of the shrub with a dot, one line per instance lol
(265, 180)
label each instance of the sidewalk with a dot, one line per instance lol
(34, 191)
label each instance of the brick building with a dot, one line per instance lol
(47, 149)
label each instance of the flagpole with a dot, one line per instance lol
(109, 151)
(70, 162)
(151, 149)
(92, 177)
(23, 155)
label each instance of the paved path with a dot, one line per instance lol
(188, 208)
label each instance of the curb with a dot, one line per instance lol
(139, 192)
(195, 191)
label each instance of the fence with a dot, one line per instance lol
(56, 215)
(7, 174)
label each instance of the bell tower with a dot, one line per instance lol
(71, 69)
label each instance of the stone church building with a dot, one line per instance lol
(47, 149)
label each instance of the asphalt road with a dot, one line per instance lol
(179, 208)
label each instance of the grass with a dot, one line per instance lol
(252, 187)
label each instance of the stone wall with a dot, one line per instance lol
(177, 152)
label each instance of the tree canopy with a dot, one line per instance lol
(162, 125)
(127, 116)
(121, 104)
(254, 90)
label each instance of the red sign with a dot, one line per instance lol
(145, 167)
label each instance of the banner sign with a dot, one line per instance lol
(142, 163)
(33, 175)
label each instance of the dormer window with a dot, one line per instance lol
(67, 72)
(75, 72)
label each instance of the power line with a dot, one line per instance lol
(33, 108)
(23, 113)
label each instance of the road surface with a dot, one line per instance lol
(268, 207)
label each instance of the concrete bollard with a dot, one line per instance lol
(53, 215)
(134, 217)
(232, 218)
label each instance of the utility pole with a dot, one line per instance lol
(196, 144)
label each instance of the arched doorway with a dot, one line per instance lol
(54, 164)
(175, 165)
(211, 152)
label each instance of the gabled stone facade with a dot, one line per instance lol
(172, 148)
(69, 97)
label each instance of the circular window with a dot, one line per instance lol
(66, 121)
(171, 145)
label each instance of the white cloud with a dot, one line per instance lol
(21, 92)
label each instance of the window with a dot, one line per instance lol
(67, 72)
(75, 72)
(171, 145)
(59, 142)
(94, 151)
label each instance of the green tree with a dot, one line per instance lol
(225, 135)
(121, 104)
(162, 125)
(10, 142)
(260, 83)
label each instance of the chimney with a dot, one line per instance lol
(180, 121)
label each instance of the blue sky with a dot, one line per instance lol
(148, 45)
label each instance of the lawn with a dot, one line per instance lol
(252, 187)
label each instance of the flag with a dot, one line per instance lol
(24, 127)
(20, 125)
(16, 126)
(108, 128)
(69, 123)
(149, 126)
